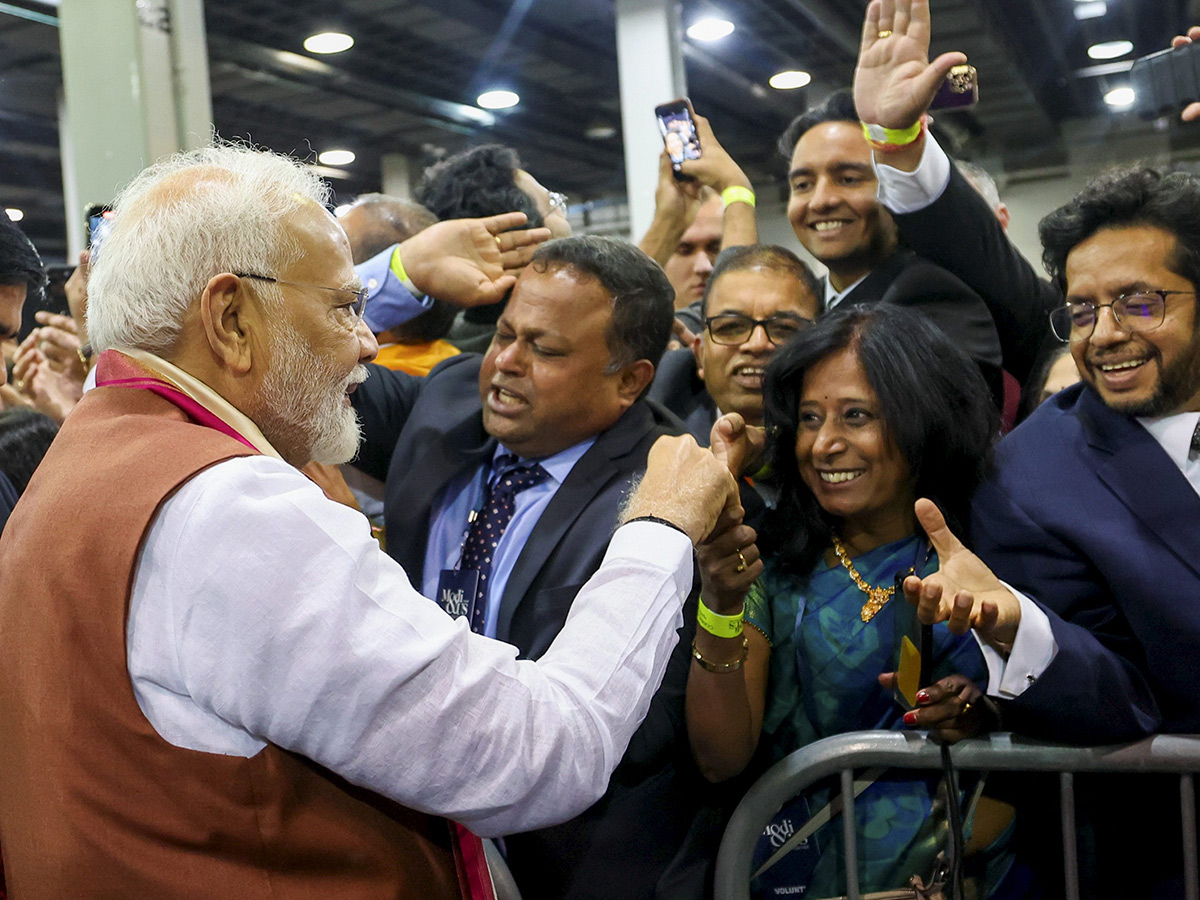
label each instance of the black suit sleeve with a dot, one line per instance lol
(961, 234)
(383, 403)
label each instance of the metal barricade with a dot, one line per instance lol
(842, 754)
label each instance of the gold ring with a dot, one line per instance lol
(497, 240)
(886, 33)
(19, 384)
(967, 706)
(741, 566)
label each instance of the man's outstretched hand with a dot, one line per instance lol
(470, 262)
(963, 592)
(895, 82)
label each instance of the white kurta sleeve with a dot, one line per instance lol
(263, 612)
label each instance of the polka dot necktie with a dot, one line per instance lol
(488, 527)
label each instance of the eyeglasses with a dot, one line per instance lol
(356, 305)
(734, 328)
(558, 201)
(1143, 311)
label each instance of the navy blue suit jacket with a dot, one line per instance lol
(1087, 515)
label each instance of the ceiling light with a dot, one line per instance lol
(328, 42)
(14, 214)
(1110, 49)
(710, 30)
(1122, 96)
(600, 131)
(498, 99)
(1092, 9)
(789, 80)
(336, 157)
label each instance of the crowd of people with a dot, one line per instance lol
(333, 546)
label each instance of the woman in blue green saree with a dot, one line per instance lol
(866, 411)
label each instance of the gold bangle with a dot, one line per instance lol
(718, 625)
(722, 668)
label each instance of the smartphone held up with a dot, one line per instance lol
(678, 128)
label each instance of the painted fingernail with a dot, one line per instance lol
(922, 696)
(910, 718)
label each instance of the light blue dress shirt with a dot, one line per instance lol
(453, 506)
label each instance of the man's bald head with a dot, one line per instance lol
(184, 220)
(376, 221)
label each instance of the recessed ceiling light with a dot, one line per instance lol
(1110, 49)
(1092, 9)
(1122, 96)
(710, 30)
(499, 99)
(328, 42)
(789, 80)
(14, 214)
(336, 157)
(600, 131)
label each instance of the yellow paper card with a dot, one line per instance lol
(908, 673)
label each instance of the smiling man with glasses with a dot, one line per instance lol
(757, 297)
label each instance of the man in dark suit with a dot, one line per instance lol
(1107, 581)
(757, 296)
(836, 216)
(561, 385)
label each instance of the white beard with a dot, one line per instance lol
(303, 404)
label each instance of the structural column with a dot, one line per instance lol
(397, 175)
(650, 68)
(135, 89)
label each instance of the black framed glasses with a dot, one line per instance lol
(1141, 311)
(357, 304)
(734, 328)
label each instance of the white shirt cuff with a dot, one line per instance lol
(906, 192)
(1033, 650)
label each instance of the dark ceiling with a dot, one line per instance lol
(409, 82)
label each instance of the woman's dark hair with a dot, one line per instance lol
(25, 437)
(934, 404)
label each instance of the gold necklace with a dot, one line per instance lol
(876, 596)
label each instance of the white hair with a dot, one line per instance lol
(980, 179)
(182, 221)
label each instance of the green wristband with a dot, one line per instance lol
(720, 626)
(737, 194)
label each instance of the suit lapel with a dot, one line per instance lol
(873, 288)
(1135, 467)
(587, 478)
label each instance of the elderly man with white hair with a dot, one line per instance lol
(216, 685)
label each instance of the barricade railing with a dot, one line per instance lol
(845, 753)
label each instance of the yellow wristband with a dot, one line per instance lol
(720, 626)
(737, 194)
(881, 138)
(397, 266)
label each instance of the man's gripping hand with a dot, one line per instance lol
(685, 485)
(470, 262)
